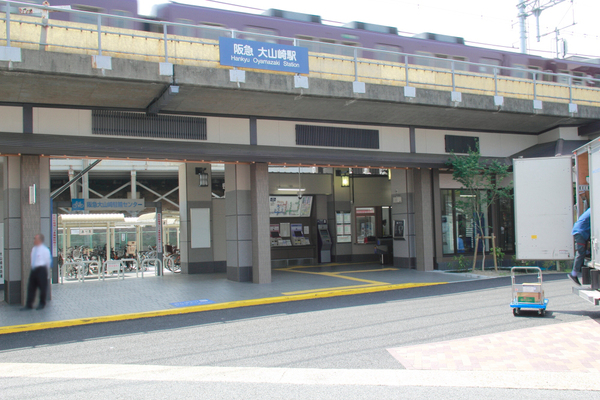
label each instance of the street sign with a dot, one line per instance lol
(261, 55)
(108, 205)
(54, 235)
(159, 233)
(77, 205)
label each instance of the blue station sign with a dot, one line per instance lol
(260, 55)
(108, 205)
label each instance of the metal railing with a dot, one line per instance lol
(148, 262)
(331, 60)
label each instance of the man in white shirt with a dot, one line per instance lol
(41, 262)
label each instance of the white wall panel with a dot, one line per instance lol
(228, 130)
(62, 121)
(11, 119)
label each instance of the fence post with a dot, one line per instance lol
(406, 69)
(165, 40)
(534, 86)
(7, 24)
(99, 35)
(570, 89)
(453, 82)
(495, 81)
(356, 64)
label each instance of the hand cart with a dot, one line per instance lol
(528, 296)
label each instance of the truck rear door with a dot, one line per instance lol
(544, 207)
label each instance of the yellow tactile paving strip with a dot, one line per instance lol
(568, 347)
(337, 274)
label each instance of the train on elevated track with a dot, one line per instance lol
(311, 32)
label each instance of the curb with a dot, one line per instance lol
(4, 330)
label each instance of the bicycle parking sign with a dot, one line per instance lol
(108, 205)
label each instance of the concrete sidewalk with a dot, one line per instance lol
(94, 298)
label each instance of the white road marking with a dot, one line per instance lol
(308, 376)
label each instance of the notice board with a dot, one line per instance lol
(200, 228)
(290, 206)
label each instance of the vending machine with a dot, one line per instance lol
(324, 241)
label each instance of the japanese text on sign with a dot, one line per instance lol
(108, 204)
(260, 55)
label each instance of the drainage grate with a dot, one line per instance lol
(311, 135)
(121, 123)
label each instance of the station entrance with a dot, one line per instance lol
(104, 227)
(112, 219)
(109, 214)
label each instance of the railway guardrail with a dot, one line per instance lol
(186, 44)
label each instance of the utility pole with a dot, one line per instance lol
(523, 27)
(528, 8)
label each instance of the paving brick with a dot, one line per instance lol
(564, 347)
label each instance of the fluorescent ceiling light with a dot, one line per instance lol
(291, 190)
(467, 195)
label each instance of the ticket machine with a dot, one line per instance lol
(324, 241)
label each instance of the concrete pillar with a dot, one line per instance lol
(191, 196)
(73, 187)
(437, 216)
(85, 181)
(424, 219)
(134, 184)
(22, 221)
(108, 244)
(238, 216)
(43, 198)
(261, 243)
(403, 210)
(12, 230)
(340, 200)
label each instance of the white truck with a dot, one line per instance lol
(550, 193)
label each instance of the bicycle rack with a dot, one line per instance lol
(155, 261)
(89, 264)
(137, 265)
(78, 267)
(115, 266)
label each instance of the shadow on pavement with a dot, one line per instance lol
(108, 329)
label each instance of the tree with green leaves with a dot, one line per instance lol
(482, 182)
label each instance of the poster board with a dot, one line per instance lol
(544, 208)
(343, 221)
(200, 228)
(290, 206)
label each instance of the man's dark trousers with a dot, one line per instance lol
(38, 279)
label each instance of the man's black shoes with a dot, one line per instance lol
(575, 279)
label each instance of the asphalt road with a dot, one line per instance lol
(346, 333)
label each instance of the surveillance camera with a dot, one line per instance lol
(299, 195)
